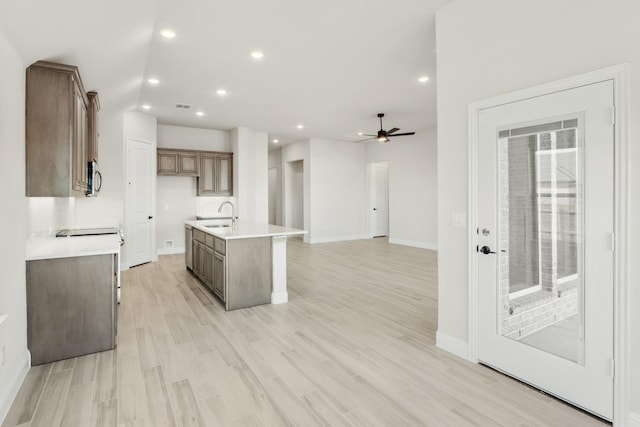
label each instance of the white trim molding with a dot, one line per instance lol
(634, 420)
(414, 244)
(618, 74)
(170, 251)
(452, 344)
(9, 391)
(337, 239)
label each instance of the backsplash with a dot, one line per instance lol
(47, 215)
(208, 206)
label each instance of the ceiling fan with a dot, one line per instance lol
(384, 135)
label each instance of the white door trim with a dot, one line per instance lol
(618, 74)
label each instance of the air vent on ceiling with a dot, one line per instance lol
(185, 106)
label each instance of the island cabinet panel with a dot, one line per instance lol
(248, 272)
(219, 276)
(56, 131)
(71, 306)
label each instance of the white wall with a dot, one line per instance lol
(13, 332)
(250, 163)
(413, 195)
(291, 153)
(338, 191)
(176, 196)
(497, 46)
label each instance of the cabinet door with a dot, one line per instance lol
(92, 126)
(207, 267)
(188, 164)
(167, 163)
(79, 142)
(224, 175)
(219, 275)
(206, 180)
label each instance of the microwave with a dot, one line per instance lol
(94, 179)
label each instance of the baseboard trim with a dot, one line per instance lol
(338, 239)
(452, 345)
(9, 391)
(279, 298)
(414, 244)
(170, 251)
(634, 420)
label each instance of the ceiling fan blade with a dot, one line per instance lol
(390, 131)
(366, 139)
(402, 134)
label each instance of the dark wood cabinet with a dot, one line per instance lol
(93, 132)
(57, 125)
(216, 174)
(178, 162)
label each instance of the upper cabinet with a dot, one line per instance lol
(214, 170)
(178, 162)
(216, 174)
(58, 123)
(92, 126)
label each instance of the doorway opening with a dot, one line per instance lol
(294, 199)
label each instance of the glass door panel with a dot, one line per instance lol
(541, 228)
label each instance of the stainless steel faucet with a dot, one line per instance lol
(233, 211)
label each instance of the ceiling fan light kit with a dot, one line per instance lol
(383, 135)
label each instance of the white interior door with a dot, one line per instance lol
(140, 209)
(379, 198)
(546, 262)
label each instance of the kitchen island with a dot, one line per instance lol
(244, 264)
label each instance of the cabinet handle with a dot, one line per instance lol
(150, 217)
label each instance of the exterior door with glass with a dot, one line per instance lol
(546, 262)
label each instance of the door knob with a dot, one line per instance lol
(486, 250)
(150, 217)
(375, 209)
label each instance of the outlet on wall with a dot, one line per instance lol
(168, 243)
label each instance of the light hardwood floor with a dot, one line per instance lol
(355, 346)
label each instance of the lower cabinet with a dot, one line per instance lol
(71, 306)
(238, 271)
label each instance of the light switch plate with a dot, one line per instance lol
(458, 219)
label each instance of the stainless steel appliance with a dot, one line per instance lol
(81, 232)
(94, 179)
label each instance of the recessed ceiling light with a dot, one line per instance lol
(153, 81)
(168, 34)
(200, 113)
(275, 141)
(300, 126)
(423, 79)
(146, 106)
(256, 54)
(221, 92)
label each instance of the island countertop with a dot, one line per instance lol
(243, 229)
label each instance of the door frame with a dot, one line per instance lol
(619, 75)
(127, 210)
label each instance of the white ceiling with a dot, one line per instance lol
(330, 64)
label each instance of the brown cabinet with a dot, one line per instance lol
(72, 306)
(216, 174)
(176, 162)
(56, 131)
(92, 126)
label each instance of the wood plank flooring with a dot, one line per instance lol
(355, 346)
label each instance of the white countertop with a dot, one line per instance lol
(66, 247)
(244, 230)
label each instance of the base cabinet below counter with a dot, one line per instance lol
(71, 306)
(237, 271)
